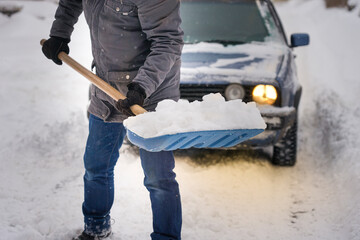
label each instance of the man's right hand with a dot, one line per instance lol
(53, 46)
(135, 95)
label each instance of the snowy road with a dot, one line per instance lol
(226, 195)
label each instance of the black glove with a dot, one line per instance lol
(53, 46)
(135, 95)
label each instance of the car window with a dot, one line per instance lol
(227, 21)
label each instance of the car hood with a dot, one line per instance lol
(245, 63)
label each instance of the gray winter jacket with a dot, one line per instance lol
(132, 41)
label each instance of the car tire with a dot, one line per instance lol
(285, 150)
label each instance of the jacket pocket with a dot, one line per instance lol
(122, 7)
(120, 80)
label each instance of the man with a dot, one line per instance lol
(136, 45)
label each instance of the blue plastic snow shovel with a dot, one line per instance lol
(199, 139)
(183, 140)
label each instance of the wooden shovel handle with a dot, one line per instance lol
(98, 82)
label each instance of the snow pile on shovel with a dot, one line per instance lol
(213, 113)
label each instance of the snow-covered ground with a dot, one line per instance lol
(225, 195)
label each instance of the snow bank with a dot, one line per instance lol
(329, 110)
(356, 5)
(213, 113)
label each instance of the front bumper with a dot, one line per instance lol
(278, 121)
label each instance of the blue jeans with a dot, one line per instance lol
(101, 155)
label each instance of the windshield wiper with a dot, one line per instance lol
(225, 42)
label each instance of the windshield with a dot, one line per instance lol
(226, 21)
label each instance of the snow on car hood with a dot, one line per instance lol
(213, 62)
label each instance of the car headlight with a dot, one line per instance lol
(234, 91)
(264, 94)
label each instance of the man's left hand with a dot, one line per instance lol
(135, 95)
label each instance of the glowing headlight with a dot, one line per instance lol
(264, 94)
(234, 91)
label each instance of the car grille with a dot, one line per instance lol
(194, 92)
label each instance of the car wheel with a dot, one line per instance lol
(285, 150)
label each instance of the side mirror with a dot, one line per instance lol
(299, 39)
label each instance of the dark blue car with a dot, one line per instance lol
(239, 49)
